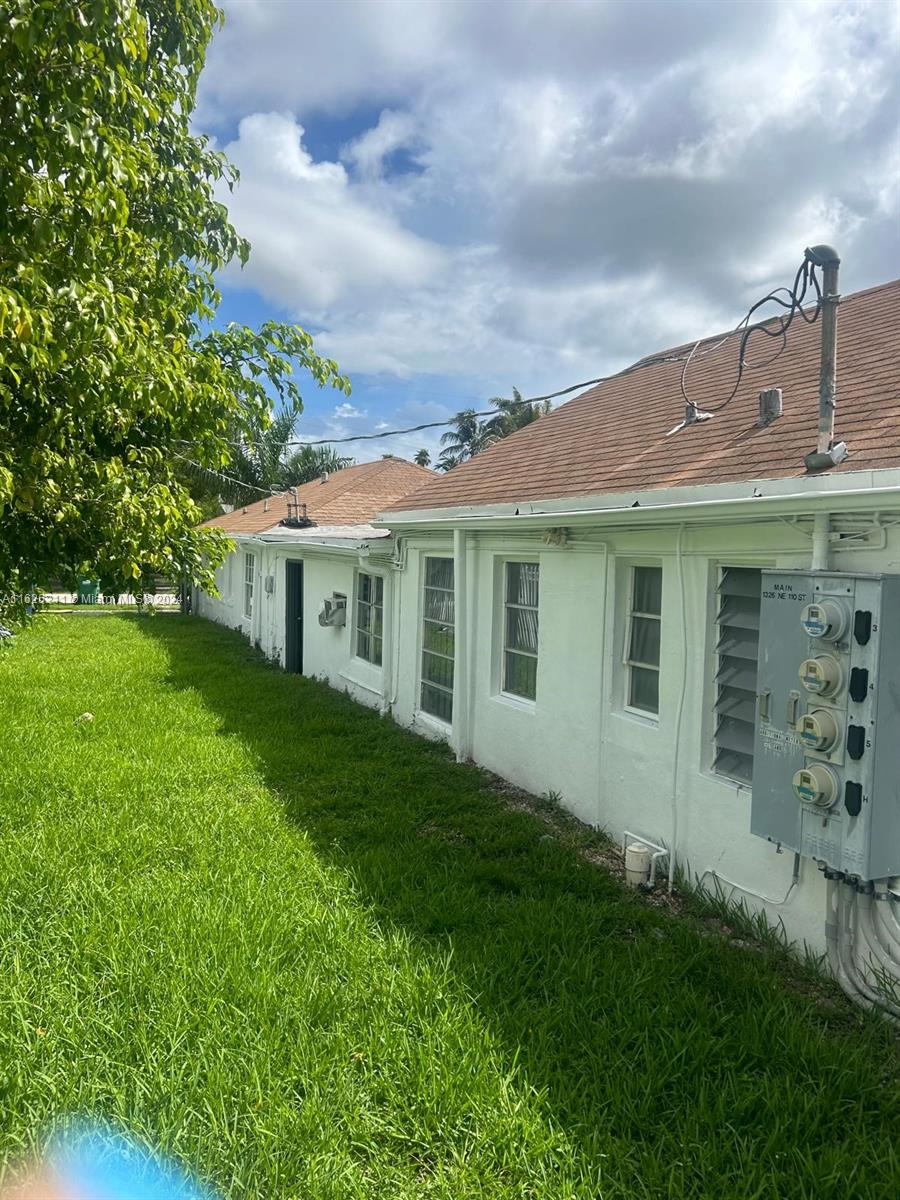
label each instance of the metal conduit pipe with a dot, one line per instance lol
(833, 948)
(886, 930)
(886, 956)
(848, 940)
(847, 948)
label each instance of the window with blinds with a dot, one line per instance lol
(737, 648)
(438, 639)
(520, 643)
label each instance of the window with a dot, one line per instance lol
(737, 648)
(249, 569)
(520, 640)
(438, 639)
(370, 618)
(642, 639)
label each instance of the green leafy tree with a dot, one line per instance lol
(423, 458)
(113, 376)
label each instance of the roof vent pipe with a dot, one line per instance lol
(770, 406)
(826, 453)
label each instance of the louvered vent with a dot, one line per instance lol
(737, 647)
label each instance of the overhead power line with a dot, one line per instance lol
(804, 279)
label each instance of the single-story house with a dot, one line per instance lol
(577, 608)
(297, 550)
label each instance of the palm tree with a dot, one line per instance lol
(258, 464)
(311, 462)
(515, 413)
(468, 438)
(422, 458)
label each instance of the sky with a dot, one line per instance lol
(460, 197)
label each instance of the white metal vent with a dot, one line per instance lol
(737, 648)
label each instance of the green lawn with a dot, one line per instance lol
(311, 957)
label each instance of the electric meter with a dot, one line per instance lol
(821, 675)
(816, 784)
(826, 619)
(818, 730)
(826, 746)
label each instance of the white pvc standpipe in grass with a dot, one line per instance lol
(637, 864)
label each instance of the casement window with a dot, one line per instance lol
(249, 571)
(642, 639)
(520, 626)
(737, 649)
(438, 639)
(370, 618)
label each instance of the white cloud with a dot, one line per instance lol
(595, 181)
(394, 131)
(314, 241)
(347, 411)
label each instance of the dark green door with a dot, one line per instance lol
(293, 617)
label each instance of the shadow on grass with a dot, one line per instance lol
(637, 1027)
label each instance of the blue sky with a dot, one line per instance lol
(459, 197)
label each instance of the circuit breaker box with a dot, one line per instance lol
(826, 761)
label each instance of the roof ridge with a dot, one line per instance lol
(727, 333)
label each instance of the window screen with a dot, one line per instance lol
(520, 643)
(737, 649)
(370, 618)
(643, 642)
(438, 639)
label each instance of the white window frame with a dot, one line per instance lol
(628, 663)
(249, 577)
(430, 716)
(371, 605)
(504, 606)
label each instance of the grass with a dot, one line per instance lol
(311, 957)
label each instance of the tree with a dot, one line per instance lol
(423, 458)
(470, 435)
(113, 376)
(311, 462)
(515, 413)
(467, 438)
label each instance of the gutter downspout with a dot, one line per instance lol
(676, 761)
(460, 728)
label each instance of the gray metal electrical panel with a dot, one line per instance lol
(826, 761)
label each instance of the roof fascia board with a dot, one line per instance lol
(865, 487)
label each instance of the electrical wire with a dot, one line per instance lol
(804, 279)
(250, 487)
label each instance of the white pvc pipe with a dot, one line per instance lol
(833, 914)
(682, 621)
(460, 727)
(856, 920)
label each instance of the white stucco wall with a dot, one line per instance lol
(614, 769)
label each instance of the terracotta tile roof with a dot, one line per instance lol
(352, 496)
(612, 438)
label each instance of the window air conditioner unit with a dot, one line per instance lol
(334, 610)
